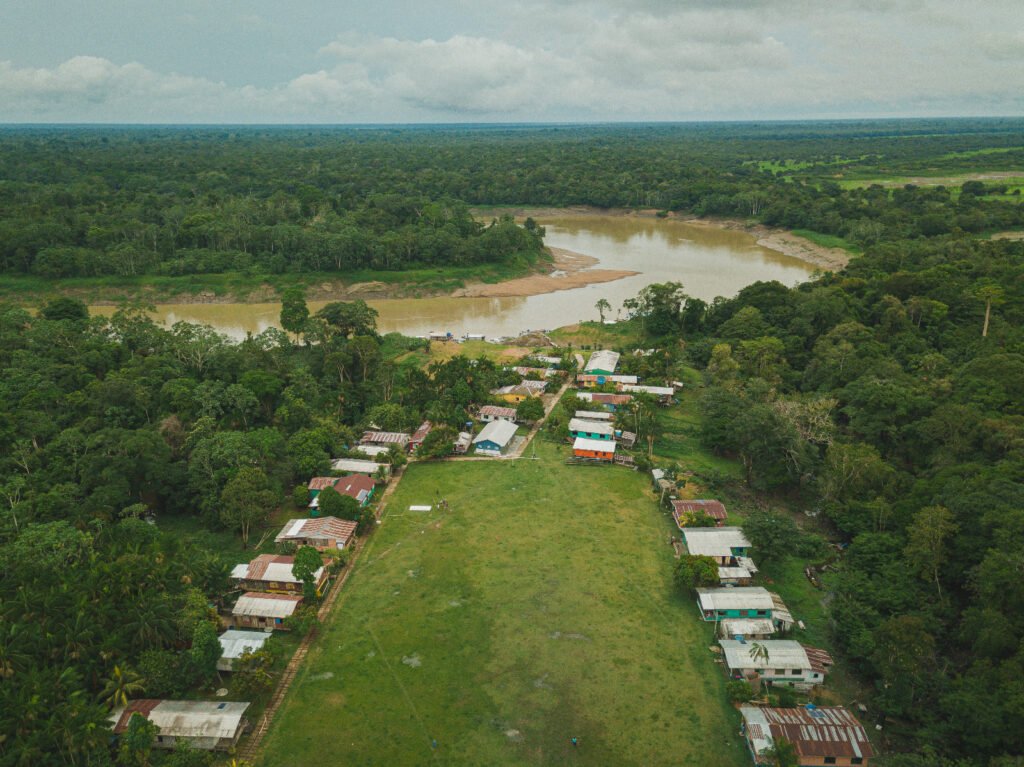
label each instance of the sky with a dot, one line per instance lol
(441, 61)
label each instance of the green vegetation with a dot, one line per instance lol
(539, 607)
(827, 240)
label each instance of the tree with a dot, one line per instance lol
(926, 542)
(65, 308)
(439, 443)
(331, 503)
(992, 294)
(204, 653)
(774, 536)
(602, 306)
(695, 570)
(251, 672)
(246, 500)
(122, 685)
(294, 312)
(782, 753)
(530, 409)
(137, 741)
(304, 567)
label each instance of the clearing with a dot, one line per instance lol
(538, 607)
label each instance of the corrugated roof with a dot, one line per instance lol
(421, 433)
(235, 643)
(781, 653)
(657, 391)
(599, 378)
(498, 432)
(819, 659)
(186, 718)
(319, 483)
(714, 541)
(356, 466)
(357, 486)
(268, 568)
(318, 527)
(731, 627)
(714, 509)
(385, 438)
(604, 359)
(594, 445)
(495, 411)
(815, 732)
(736, 598)
(258, 605)
(592, 427)
(594, 415)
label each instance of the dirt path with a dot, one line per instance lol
(250, 748)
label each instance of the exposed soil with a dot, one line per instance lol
(569, 270)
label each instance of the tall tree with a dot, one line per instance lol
(247, 500)
(927, 538)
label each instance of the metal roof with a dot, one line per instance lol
(658, 391)
(714, 509)
(746, 626)
(258, 605)
(594, 415)
(714, 541)
(356, 466)
(319, 483)
(318, 527)
(496, 411)
(385, 437)
(185, 718)
(592, 427)
(595, 445)
(731, 573)
(815, 732)
(782, 653)
(372, 450)
(357, 486)
(498, 432)
(234, 643)
(604, 359)
(736, 598)
(599, 378)
(270, 568)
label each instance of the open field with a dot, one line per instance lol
(538, 608)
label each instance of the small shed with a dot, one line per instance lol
(684, 512)
(495, 438)
(463, 442)
(264, 611)
(206, 725)
(419, 435)
(490, 413)
(234, 644)
(594, 449)
(746, 628)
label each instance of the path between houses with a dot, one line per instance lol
(251, 747)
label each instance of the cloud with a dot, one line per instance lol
(594, 60)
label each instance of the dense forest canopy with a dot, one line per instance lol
(176, 201)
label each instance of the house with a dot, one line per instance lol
(590, 381)
(384, 438)
(264, 611)
(234, 644)
(776, 661)
(608, 401)
(723, 544)
(490, 413)
(747, 628)
(372, 451)
(734, 602)
(596, 449)
(358, 486)
(206, 725)
(551, 361)
(440, 335)
(515, 393)
(602, 362)
(735, 576)
(272, 573)
(591, 429)
(663, 394)
(322, 533)
(542, 372)
(358, 466)
(419, 435)
(536, 387)
(628, 439)
(689, 511)
(820, 735)
(495, 438)
(781, 615)
(463, 442)
(317, 484)
(594, 415)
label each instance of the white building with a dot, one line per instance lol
(234, 644)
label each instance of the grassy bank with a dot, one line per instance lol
(244, 287)
(538, 608)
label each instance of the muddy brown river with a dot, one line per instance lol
(709, 262)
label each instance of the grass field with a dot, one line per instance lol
(538, 608)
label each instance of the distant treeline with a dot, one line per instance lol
(174, 201)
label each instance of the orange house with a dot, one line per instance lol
(595, 449)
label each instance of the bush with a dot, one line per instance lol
(300, 497)
(161, 670)
(739, 691)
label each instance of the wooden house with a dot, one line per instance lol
(255, 610)
(663, 394)
(384, 439)
(322, 533)
(234, 644)
(594, 449)
(360, 466)
(819, 735)
(726, 545)
(358, 486)
(610, 402)
(419, 435)
(593, 380)
(494, 439)
(515, 393)
(591, 429)
(205, 725)
(776, 661)
(737, 602)
(602, 362)
(272, 573)
(684, 512)
(490, 413)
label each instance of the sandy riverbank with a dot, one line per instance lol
(780, 240)
(570, 270)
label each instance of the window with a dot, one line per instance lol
(857, 760)
(795, 672)
(780, 672)
(830, 760)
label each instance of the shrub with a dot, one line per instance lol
(739, 691)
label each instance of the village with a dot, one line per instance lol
(595, 416)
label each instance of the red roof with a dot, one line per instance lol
(321, 527)
(384, 438)
(611, 399)
(354, 484)
(144, 707)
(319, 483)
(820, 660)
(824, 731)
(259, 565)
(498, 412)
(714, 509)
(421, 433)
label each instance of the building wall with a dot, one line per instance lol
(723, 614)
(591, 435)
(257, 622)
(593, 454)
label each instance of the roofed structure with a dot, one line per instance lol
(358, 466)
(725, 544)
(318, 532)
(271, 569)
(495, 436)
(593, 415)
(591, 429)
(384, 438)
(602, 361)
(683, 510)
(820, 735)
(496, 412)
(234, 644)
(207, 725)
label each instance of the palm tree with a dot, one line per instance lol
(758, 652)
(122, 684)
(602, 306)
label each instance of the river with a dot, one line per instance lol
(708, 261)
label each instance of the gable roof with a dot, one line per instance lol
(356, 466)
(421, 433)
(319, 483)
(234, 643)
(594, 445)
(594, 415)
(259, 605)
(604, 359)
(714, 509)
(591, 427)
(496, 411)
(782, 653)
(498, 432)
(275, 568)
(317, 527)
(358, 486)
(814, 731)
(385, 437)
(714, 541)
(185, 718)
(735, 598)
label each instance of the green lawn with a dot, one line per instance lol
(537, 608)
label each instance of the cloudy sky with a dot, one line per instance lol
(338, 61)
